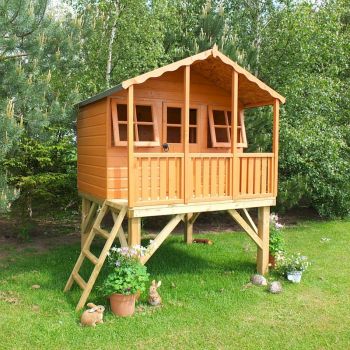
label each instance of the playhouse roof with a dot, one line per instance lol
(214, 66)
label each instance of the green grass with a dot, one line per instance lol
(206, 304)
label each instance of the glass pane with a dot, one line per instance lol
(144, 113)
(173, 134)
(123, 136)
(219, 117)
(193, 116)
(145, 132)
(122, 112)
(221, 135)
(173, 115)
(193, 135)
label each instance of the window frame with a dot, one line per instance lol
(116, 122)
(227, 126)
(181, 125)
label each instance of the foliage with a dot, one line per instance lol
(286, 263)
(128, 275)
(276, 240)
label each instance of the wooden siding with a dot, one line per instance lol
(92, 142)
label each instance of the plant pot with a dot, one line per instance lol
(122, 305)
(272, 261)
(294, 276)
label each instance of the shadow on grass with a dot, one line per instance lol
(172, 258)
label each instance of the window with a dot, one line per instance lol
(173, 124)
(220, 122)
(145, 127)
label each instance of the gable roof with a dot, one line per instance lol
(214, 66)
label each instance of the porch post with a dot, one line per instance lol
(234, 115)
(276, 120)
(263, 233)
(186, 132)
(134, 224)
(188, 234)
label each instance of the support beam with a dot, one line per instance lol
(263, 232)
(186, 132)
(161, 237)
(134, 231)
(235, 215)
(121, 234)
(88, 211)
(131, 162)
(188, 231)
(246, 216)
(275, 139)
(234, 122)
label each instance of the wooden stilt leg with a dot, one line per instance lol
(263, 233)
(134, 231)
(188, 232)
(85, 208)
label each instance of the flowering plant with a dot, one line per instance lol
(291, 263)
(276, 237)
(128, 275)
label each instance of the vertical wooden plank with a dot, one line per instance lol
(134, 231)
(250, 187)
(162, 177)
(172, 177)
(244, 175)
(198, 178)
(234, 113)
(263, 175)
(178, 175)
(145, 179)
(269, 175)
(186, 131)
(221, 177)
(191, 174)
(263, 233)
(154, 178)
(257, 176)
(206, 176)
(275, 137)
(131, 161)
(213, 177)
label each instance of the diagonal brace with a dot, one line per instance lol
(246, 227)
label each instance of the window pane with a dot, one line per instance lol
(144, 113)
(193, 116)
(193, 135)
(221, 135)
(219, 117)
(123, 136)
(122, 112)
(145, 132)
(173, 134)
(173, 115)
(230, 120)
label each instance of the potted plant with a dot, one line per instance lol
(276, 242)
(292, 266)
(126, 280)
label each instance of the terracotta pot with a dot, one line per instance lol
(122, 305)
(272, 261)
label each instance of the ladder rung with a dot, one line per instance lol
(101, 232)
(90, 256)
(79, 280)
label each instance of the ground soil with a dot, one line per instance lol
(42, 235)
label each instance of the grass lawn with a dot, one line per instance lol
(207, 304)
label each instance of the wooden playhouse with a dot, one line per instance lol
(172, 142)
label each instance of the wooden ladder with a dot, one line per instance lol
(97, 261)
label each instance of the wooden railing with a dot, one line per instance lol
(255, 174)
(159, 178)
(210, 175)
